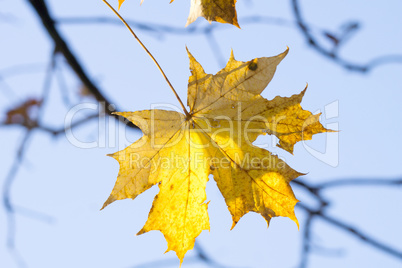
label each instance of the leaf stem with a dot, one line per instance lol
(149, 53)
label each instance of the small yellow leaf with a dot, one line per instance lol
(223, 11)
(178, 152)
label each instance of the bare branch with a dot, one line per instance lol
(61, 46)
(320, 213)
(8, 205)
(162, 29)
(306, 248)
(62, 130)
(359, 182)
(354, 232)
(332, 55)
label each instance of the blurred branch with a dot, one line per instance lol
(7, 18)
(359, 182)
(6, 89)
(62, 130)
(214, 45)
(61, 46)
(332, 54)
(162, 29)
(354, 232)
(201, 256)
(8, 205)
(306, 247)
(308, 30)
(320, 213)
(205, 257)
(22, 69)
(23, 116)
(62, 86)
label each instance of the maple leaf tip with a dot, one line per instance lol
(104, 205)
(110, 200)
(236, 23)
(302, 174)
(331, 130)
(140, 232)
(116, 113)
(286, 51)
(190, 56)
(231, 54)
(297, 223)
(282, 55)
(303, 92)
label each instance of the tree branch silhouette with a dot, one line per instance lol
(320, 214)
(331, 54)
(61, 46)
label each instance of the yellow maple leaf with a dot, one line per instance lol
(179, 151)
(223, 11)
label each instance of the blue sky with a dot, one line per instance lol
(70, 184)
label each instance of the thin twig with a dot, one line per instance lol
(58, 131)
(10, 179)
(330, 53)
(308, 31)
(152, 27)
(359, 182)
(61, 46)
(201, 255)
(6, 89)
(354, 232)
(204, 257)
(214, 45)
(8, 205)
(62, 85)
(306, 247)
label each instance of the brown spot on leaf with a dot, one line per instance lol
(253, 66)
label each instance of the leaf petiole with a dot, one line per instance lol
(152, 57)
